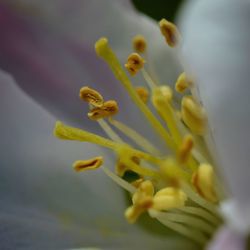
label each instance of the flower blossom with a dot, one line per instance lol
(54, 59)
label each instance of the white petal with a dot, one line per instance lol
(43, 203)
(219, 55)
(51, 64)
(217, 50)
(225, 238)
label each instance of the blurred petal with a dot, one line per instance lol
(43, 203)
(51, 64)
(217, 50)
(227, 239)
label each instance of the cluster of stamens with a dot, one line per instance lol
(177, 189)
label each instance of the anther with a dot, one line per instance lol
(91, 96)
(193, 115)
(185, 149)
(143, 93)
(133, 212)
(166, 92)
(139, 44)
(89, 164)
(108, 109)
(170, 32)
(134, 63)
(182, 83)
(203, 181)
(169, 198)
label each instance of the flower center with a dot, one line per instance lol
(179, 189)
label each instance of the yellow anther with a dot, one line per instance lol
(185, 149)
(166, 92)
(182, 83)
(89, 164)
(91, 96)
(147, 188)
(134, 63)
(170, 32)
(143, 93)
(139, 44)
(203, 181)
(193, 115)
(169, 198)
(133, 212)
(109, 108)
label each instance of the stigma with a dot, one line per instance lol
(176, 185)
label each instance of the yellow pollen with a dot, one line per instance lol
(91, 96)
(170, 32)
(139, 44)
(134, 63)
(203, 181)
(108, 109)
(89, 164)
(143, 93)
(182, 83)
(193, 115)
(185, 149)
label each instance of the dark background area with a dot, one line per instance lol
(158, 9)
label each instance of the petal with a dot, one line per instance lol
(43, 203)
(225, 238)
(51, 64)
(217, 50)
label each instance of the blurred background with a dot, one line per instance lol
(158, 9)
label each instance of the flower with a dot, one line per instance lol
(39, 174)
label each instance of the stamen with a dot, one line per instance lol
(134, 63)
(109, 108)
(110, 132)
(148, 79)
(89, 164)
(190, 221)
(203, 181)
(201, 213)
(199, 200)
(170, 32)
(137, 138)
(182, 83)
(133, 212)
(193, 234)
(193, 115)
(139, 44)
(124, 184)
(64, 132)
(91, 96)
(142, 93)
(171, 170)
(185, 149)
(169, 198)
(105, 52)
(160, 100)
(121, 168)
